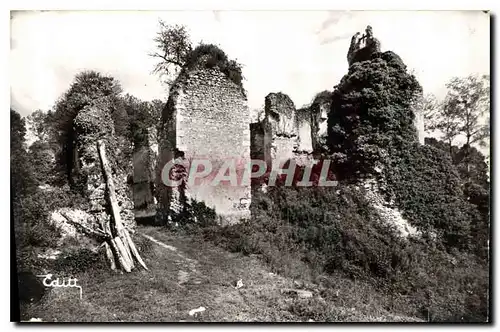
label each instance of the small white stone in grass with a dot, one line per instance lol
(197, 310)
(35, 320)
(239, 284)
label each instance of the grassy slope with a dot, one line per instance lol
(199, 274)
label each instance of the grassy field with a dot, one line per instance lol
(186, 273)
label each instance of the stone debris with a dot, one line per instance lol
(239, 284)
(193, 312)
(389, 214)
(182, 277)
(50, 254)
(298, 284)
(77, 228)
(35, 320)
(300, 293)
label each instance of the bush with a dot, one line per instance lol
(331, 230)
(427, 188)
(79, 261)
(195, 216)
(215, 57)
(31, 216)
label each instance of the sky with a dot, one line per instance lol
(299, 53)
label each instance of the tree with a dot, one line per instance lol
(39, 124)
(42, 157)
(21, 179)
(436, 117)
(173, 46)
(140, 115)
(469, 98)
(462, 114)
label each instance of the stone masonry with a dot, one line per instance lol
(207, 118)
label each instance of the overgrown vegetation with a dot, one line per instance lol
(306, 232)
(371, 126)
(195, 216)
(371, 113)
(175, 54)
(212, 56)
(88, 87)
(300, 231)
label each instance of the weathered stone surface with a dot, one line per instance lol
(419, 119)
(94, 123)
(280, 127)
(207, 118)
(419, 124)
(304, 126)
(281, 115)
(300, 293)
(76, 229)
(319, 110)
(363, 47)
(285, 133)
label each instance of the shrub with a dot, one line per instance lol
(212, 57)
(427, 188)
(79, 261)
(196, 215)
(32, 216)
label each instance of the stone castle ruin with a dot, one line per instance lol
(361, 49)
(207, 118)
(288, 133)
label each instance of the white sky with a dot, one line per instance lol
(297, 52)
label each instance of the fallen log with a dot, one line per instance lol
(120, 242)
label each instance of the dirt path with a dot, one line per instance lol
(187, 275)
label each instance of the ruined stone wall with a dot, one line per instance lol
(144, 160)
(207, 117)
(284, 133)
(280, 125)
(319, 124)
(94, 123)
(304, 127)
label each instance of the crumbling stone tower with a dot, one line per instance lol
(361, 49)
(206, 118)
